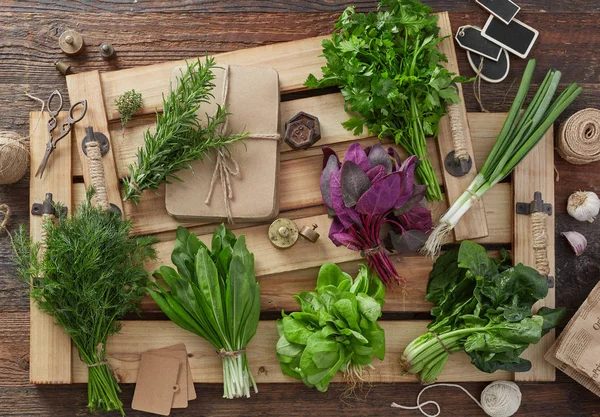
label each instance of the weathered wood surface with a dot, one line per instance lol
(29, 47)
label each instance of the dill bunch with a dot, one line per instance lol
(127, 104)
(89, 277)
(179, 138)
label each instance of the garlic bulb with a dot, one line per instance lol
(583, 206)
(577, 241)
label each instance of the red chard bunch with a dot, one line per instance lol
(375, 205)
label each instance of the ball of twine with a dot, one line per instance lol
(14, 157)
(579, 137)
(498, 399)
(501, 399)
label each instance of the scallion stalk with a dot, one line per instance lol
(519, 135)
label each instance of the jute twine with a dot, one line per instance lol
(230, 354)
(14, 157)
(97, 173)
(498, 399)
(579, 137)
(540, 242)
(458, 136)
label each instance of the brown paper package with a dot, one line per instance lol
(253, 101)
(570, 355)
(580, 341)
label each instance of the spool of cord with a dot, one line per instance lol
(498, 399)
(579, 137)
(14, 157)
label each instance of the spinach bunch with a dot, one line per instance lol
(387, 65)
(336, 330)
(482, 306)
(214, 294)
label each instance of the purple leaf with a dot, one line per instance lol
(338, 235)
(378, 157)
(408, 181)
(419, 192)
(354, 182)
(376, 172)
(348, 216)
(381, 196)
(356, 154)
(332, 165)
(419, 218)
(392, 152)
(327, 152)
(408, 241)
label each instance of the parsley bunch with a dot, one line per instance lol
(387, 65)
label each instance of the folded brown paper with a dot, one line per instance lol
(191, 390)
(180, 398)
(252, 97)
(576, 351)
(580, 341)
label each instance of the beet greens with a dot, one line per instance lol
(375, 205)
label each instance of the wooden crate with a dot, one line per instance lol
(282, 273)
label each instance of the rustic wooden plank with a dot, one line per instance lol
(536, 173)
(86, 86)
(299, 176)
(270, 260)
(123, 351)
(292, 60)
(50, 346)
(474, 222)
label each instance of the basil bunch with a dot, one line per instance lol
(214, 294)
(336, 330)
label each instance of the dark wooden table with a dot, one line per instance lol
(150, 31)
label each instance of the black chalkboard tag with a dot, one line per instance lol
(470, 38)
(504, 10)
(491, 71)
(516, 37)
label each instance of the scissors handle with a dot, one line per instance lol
(72, 119)
(53, 110)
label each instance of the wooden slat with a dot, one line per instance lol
(536, 173)
(474, 222)
(299, 176)
(86, 86)
(50, 346)
(123, 352)
(292, 60)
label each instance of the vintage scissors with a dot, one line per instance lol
(53, 123)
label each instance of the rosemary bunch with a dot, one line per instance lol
(89, 277)
(179, 138)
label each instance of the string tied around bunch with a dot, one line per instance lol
(230, 353)
(498, 399)
(100, 362)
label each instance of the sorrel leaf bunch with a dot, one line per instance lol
(520, 133)
(387, 65)
(483, 307)
(336, 329)
(89, 276)
(214, 294)
(375, 204)
(178, 137)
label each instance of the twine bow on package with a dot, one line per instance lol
(240, 182)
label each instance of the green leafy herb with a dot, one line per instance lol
(520, 133)
(127, 104)
(336, 330)
(214, 294)
(483, 307)
(388, 67)
(179, 138)
(89, 277)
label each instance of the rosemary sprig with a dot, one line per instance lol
(88, 278)
(179, 138)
